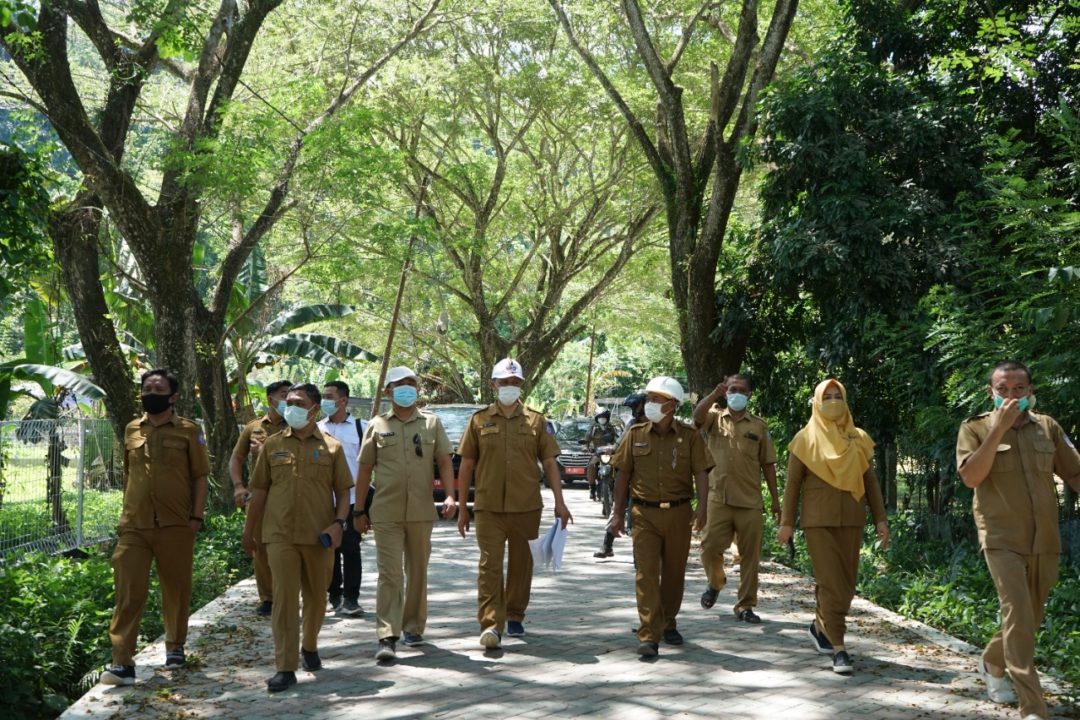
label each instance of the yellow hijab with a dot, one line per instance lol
(837, 452)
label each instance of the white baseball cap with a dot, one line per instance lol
(665, 385)
(507, 367)
(400, 372)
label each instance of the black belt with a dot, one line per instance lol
(662, 505)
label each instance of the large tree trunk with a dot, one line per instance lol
(74, 235)
(218, 414)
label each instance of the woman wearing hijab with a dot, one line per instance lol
(829, 467)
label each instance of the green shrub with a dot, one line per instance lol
(56, 612)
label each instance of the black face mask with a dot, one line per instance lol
(155, 404)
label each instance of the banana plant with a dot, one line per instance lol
(258, 339)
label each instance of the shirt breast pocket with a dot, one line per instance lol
(1044, 455)
(281, 468)
(640, 451)
(386, 441)
(174, 450)
(135, 446)
(527, 438)
(1006, 459)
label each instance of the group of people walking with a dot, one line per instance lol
(307, 477)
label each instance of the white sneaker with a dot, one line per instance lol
(1033, 716)
(490, 639)
(998, 689)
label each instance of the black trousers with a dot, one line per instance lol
(348, 568)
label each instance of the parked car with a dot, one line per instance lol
(573, 460)
(455, 418)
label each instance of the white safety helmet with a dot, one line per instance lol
(398, 373)
(665, 385)
(507, 367)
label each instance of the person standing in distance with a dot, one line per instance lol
(296, 471)
(635, 401)
(658, 465)
(343, 593)
(503, 444)
(830, 469)
(400, 449)
(248, 445)
(743, 451)
(1010, 456)
(165, 471)
(600, 433)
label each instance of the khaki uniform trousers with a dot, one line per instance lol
(661, 548)
(834, 553)
(172, 548)
(744, 525)
(401, 597)
(1023, 584)
(298, 570)
(263, 578)
(499, 533)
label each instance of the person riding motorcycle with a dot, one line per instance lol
(600, 433)
(636, 402)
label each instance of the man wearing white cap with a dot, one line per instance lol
(503, 444)
(400, 448)
(659, 463)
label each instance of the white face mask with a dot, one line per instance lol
(509, 394)
(601, 421)
(653, 411)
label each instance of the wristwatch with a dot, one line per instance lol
(341, 522)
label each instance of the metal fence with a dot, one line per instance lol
(61, 484)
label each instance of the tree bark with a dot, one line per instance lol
(683, 176)
(74, 233)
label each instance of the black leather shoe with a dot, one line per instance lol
(265, 609)
(310, 661)
(281, 681)
(673, 637)
(603, 552)
(749, 616)
(708, 598)
(648, 649)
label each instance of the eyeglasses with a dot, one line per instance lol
(417, 445)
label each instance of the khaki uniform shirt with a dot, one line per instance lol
(161, 466)
(826, 506)
(403, 479)
(1016, 505)
(257, 430)
(507, 452)
(299, 477)
(661, 468)
(739, 449)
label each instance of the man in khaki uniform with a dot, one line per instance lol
(249, 444)
(1010, 456)
(742, 449)
(503, 444)
(295, 474)
(165, 470)
(659, 464)
(400, 448)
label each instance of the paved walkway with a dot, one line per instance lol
(578, 659)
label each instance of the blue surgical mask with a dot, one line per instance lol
(328, 406)
(1025, 403)
(281, 407)
(296, 416)
(404, 395)
(737, 401)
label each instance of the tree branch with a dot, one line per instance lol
(660, 169)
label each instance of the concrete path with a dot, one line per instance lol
(579, 657)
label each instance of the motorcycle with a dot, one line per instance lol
(605, 478)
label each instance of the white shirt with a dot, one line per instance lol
(345, 433)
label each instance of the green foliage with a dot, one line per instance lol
(24, 206)
(56, 611)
